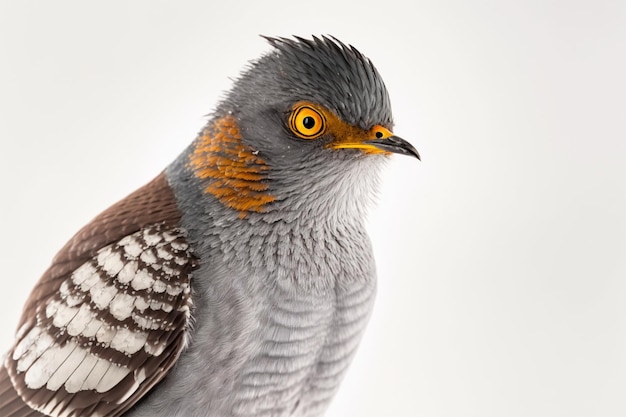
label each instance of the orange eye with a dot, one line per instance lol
(306, 122)
(380, 132)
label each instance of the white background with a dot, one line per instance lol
(501, 256)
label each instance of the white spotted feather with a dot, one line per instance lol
(107, 303)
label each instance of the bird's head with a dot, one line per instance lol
(304, 127)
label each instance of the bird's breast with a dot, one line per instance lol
(279, 310)
(305, 346)
(294, 316)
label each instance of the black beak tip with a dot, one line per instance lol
(416, 154)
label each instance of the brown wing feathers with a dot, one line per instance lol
(108, 318)
(151, 204)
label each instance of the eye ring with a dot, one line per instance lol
(306, 122)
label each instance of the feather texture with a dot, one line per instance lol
(110, 316)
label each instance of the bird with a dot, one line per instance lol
(239, 281)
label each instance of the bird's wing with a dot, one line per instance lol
(109, 318)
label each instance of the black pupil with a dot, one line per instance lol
(379, 135)
(308, 122)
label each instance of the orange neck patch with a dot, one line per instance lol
(235, 172)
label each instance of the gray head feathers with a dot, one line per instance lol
(321, 70)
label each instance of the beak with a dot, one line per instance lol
(394, 144)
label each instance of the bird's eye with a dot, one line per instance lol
(306, 122)
(380, 132)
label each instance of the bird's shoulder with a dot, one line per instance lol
(109, 317)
